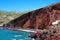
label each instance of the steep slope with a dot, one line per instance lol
(37, 19)
(6, 16)
(52, 33)
(40, 19)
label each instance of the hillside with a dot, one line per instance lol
(40, 18)
(6, 16)
(46, 19)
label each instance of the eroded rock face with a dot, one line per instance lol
(46, 36)
(52, 33)
(37, 19)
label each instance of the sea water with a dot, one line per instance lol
(6, 34)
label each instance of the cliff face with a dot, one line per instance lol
(37, 19)
(52, 33)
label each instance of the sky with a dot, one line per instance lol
(23, 5)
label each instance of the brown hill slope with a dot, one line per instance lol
(37, 19)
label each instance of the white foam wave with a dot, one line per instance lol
(26, 30)
(17, 35)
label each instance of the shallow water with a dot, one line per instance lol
(6, 34)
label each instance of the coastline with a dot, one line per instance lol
(22, 29)
(26, 30)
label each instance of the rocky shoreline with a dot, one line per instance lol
(46, 20)
(52, 33)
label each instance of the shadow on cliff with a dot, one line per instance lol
(37, 19)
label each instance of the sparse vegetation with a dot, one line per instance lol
(5, 16)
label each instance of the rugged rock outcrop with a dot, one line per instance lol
(37, 19)
(45, 36)
(52, 33)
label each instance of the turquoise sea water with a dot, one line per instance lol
(13, 35)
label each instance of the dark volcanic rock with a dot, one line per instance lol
(47, 35)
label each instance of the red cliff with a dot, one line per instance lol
(37, 19)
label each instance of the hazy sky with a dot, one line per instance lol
(21, 5)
